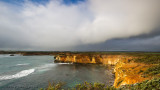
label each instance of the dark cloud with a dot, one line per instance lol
(91, 25)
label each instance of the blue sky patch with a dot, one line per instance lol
(42, 1)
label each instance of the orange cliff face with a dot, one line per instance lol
(87, 58)
(126, 71)
(129, 72)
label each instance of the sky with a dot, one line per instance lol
(80, 25)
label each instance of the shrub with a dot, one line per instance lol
(148, 59)
(153, 70)
(153, 84)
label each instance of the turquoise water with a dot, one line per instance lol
(34, 72)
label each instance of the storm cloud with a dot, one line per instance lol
(57, 26)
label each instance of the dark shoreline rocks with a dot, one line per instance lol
(12, 55)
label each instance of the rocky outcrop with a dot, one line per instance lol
(89, 58)
(129, 72)
(126, 71)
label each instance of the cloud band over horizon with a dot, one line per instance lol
(59, 26)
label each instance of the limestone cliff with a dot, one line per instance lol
(126, 71)
(129, 72)
(89, 58)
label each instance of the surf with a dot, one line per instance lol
(17, 75)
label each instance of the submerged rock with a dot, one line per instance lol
(12, 55)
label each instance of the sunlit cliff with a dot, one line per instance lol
(126, 70)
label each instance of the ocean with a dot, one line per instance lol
(34, 72)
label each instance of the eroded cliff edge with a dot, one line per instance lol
(126, 70)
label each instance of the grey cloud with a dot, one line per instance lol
(95, 23)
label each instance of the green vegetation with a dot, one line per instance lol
(119, 82)
(153, 84)
(83, 86)
(152, 59)
(54, 86)
(148, 59)
(153, 70)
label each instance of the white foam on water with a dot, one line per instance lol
(45, 67)
(8, 55)
(4, 55)
(23, 73)
(23, 64)
(64, 63)
(17, 75)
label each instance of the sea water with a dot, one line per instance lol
(34, 72)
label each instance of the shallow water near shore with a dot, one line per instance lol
(34, 72)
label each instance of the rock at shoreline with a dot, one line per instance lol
(12, 55)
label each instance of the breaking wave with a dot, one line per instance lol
(17, 75)
(4, 55)
(45, 67)
(23, 73)
(65, 63)
(23, 64)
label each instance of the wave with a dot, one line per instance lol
(45, 67)
(23, 73)
(18, 75)
(8, 55)
(64, 63)
(4, 55)
(23, 64)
